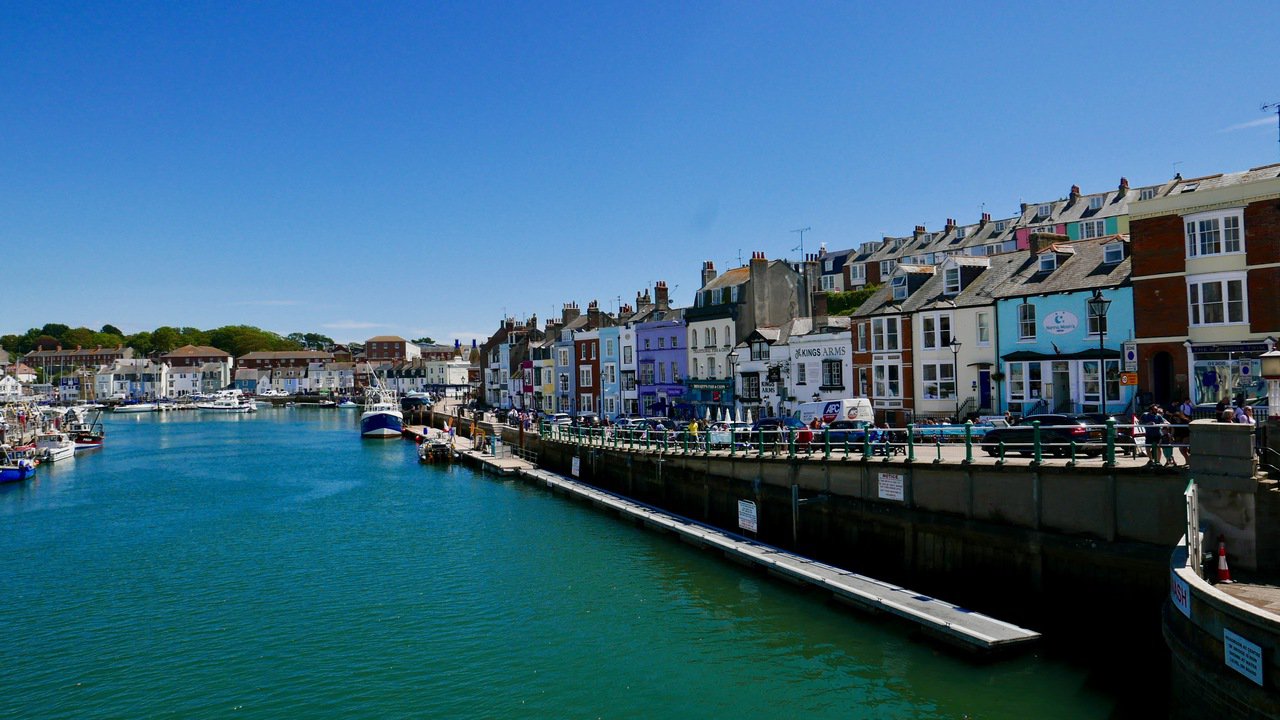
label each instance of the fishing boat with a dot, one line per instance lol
(434, 450)
(52, 446)
(233, 401)
(381, 417)
(86, 431)
(13, 468)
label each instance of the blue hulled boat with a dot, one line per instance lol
(14, 469)
(382, 417)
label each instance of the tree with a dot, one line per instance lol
(46, 342)
(845, 303)
(164, 339)
(111, 330)
(79, 337)
(56, 330)
(425, 341)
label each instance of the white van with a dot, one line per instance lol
(831, 410)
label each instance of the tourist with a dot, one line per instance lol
(1151, 422)
(1239, 416)
(1181, 433)
(1248, 416)
(1186, 408)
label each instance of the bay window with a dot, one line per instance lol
(1217, 299)
(1220, 232)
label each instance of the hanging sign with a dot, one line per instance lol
(1128, 378)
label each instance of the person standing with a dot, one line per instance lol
(1152, 421)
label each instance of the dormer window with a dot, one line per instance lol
(1146, 193)
(1048, 262)
(1000, 226)
(1112, 253)
(1095, 203)
(828, 265)
(959, 233)
(900, 288)
(951, 281)
(1044, 211)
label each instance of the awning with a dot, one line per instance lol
(982, 364)
(1107, 353)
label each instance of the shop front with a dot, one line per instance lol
(1226, 371)
(707, 397)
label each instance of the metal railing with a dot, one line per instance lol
(1072, 443)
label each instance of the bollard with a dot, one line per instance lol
(1111, 443)
(911, 442)
(826, 445)
(1000, 459)
(968, 442)
(866, 443)
(1035, 440)
(1072, 461)
(791, 443)
(937, 442)
(760, 445)
(846, 446)
(685, 442)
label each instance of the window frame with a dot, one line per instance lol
(1197, 305)
(1194, 232)
(1091, 229)
(1107, 251)
(1026, 318)
(949, 287)
(880, 338)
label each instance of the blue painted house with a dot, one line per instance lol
(1048, 343)
(661, 364)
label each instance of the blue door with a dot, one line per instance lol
(984, 389)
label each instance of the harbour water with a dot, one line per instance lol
(276, 565)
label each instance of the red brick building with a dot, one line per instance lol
(390, 348)
(586, 348)
(196, 356)
(264, 359)
(1206, 278)
(882, 362)
(80, 357)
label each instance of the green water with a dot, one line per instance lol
(278, 566)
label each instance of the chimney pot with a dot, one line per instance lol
(1075, 191)
(1124, 182)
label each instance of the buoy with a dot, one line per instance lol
(1224, 572)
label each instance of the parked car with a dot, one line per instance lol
(776, 432)
(1130, 437)
(560, 419)
(1057, 432)
(842, 431)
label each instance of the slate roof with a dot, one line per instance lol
(1210, 182)
(196, 351)
(729, 278)
(1082, 270)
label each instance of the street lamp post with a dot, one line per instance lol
(733, 382)
(955, 373)
(1098, 307)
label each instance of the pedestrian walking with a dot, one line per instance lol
(1152, 422)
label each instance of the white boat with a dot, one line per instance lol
(348, 404)
(381, 417)
(55, 446)
(137, 407)
(228, 401)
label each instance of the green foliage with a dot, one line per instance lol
(235, 339)
(845, 303)
(311, 341)
(241, 339)
(111, 330)
(424, 340)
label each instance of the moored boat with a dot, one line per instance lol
(14, 468)
(137, 407)
(53, 446)
(381, 417)
(87, 433)
(435, 450)
(233, 401)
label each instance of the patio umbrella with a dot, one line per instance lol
(735, 414)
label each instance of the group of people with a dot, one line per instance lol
(1165, 430)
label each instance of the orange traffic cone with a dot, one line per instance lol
(1224, 572)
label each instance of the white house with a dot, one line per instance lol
(132, 379)
(822, 362)
(10, 389)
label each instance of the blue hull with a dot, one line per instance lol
(15, 474)
(381, 424)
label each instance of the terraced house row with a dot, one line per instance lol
(1090, 303)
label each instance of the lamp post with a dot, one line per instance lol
(1098, 307)
(1271, 371)
(955, 373)
(733, 382)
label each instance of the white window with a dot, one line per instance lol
(1215, 233)
(584, 377)
(759, 350)
(1000, 226)
(1051, 229)
(626, 354)
(1113, 253)
(936, 330)
(706, 338)
(1048, 261)
(717, 296)
(586, 403)
(802, 374)
(886, 267)
(609, 406)
(900, 288)
(828, 265)
(728, 336)
(951, 281)
(662, 343)
(984, 329)
(608, 348)
(862, 338)
(1146, 193)
(1092, 229)
(610, 373)
(1026, 322)
(994, 249)
(712, 343)
(939, 381)
(884, 334)
(1044, 211)
(959, 233)
(1095, 203)
(886, 380)
(675, 341)
(693, 339)
(857, 273)
(1217, 299)
(662, 373)
(828, 282)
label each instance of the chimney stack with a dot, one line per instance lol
(593, 314)
(986, 218)
(1124, 187)
(569, 313)
(1075, 194)
(919, 230)
(708, 273)
(951, 224)
(819, 308)
(660, 298)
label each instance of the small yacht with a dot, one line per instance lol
(137, 407)
(228, 401)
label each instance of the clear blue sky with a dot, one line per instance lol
(367, 168)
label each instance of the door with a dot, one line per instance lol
(984, 389)
(1162, 378)
(1062, 400)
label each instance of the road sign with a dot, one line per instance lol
(1129, 378)
(1130, 356)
